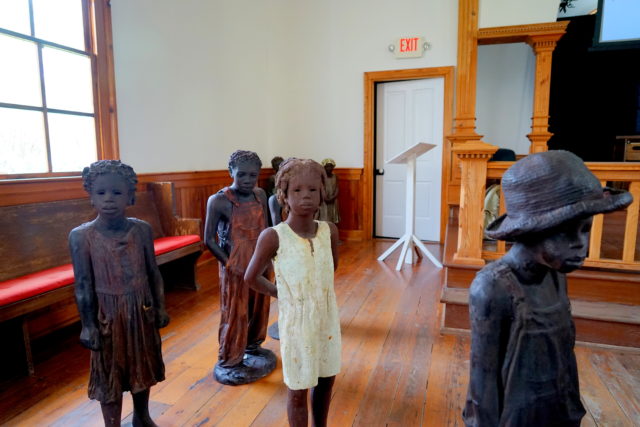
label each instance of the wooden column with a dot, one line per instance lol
(470, 152)
(473, 159)
(465, 115)
(543, 46)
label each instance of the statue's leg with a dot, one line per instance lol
(320, 400)
(141, 416)
(111, 412)
(262, 359)
(297, 410)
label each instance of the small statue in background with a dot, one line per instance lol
(275, 210)
(271, 182)
(329, 210)
(523, 367)
(235, 217)
(120, 295)
(274, 207)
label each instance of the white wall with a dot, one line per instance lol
(504, 95)
(196, 80)
(498, 13)
(190, 81)
(320, 106)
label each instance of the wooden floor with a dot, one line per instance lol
(397, 369)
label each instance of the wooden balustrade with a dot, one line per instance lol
(623, 226)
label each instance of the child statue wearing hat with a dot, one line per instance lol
(523, 368)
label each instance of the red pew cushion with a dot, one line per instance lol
(33, 284)
(168, 244)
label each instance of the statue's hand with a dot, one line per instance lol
(235, 270)
(90, 337)
(162, 318)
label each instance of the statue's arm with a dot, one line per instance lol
(217, 207)
(334, 196)
(262, 197)
(84, 289)
(275, 209)
(266, 249)
(334, 244)
(487, 312)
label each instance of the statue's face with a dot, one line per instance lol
(565, 247)
(303, 193)
(110, 195)
(245, 176)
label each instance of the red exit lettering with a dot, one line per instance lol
(409, 45)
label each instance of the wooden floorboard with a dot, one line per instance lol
(397, 369)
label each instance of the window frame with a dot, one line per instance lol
(99, 44)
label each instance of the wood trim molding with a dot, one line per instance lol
(370, 81)
(106, 111)
(520, 33)
(604, 171)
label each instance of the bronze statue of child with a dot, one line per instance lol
(120, 294)
(274, 207)
(523, 367)
(270, 189)
(235, 217)
(329, 210)
(305, 256)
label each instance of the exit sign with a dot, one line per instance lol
(409, 47)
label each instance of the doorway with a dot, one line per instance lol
(408, 112)
(371, 81)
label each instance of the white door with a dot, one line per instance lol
(408, 112)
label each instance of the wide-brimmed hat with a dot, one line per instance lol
(543, 190)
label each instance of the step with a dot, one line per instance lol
(596, 322)
(583, 284)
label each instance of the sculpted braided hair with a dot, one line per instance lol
(292, 167)
(104, 167)
(243, 156)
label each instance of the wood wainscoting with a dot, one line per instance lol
(192, 189)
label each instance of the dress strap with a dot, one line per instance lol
(230, 195)
(513, 286)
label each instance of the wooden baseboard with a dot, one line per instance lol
(351, 235)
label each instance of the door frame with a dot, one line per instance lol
(370, 80)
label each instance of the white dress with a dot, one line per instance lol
(309, 324)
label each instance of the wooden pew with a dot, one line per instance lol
(36, 271)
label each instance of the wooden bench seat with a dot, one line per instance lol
(37, 271)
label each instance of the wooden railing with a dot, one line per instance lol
(610, 232)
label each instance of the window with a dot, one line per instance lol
(56, 87)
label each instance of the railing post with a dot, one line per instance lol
(543, 46)
(473, 157)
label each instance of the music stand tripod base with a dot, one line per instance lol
(408, 240)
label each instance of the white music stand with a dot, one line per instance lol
(409, 239)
